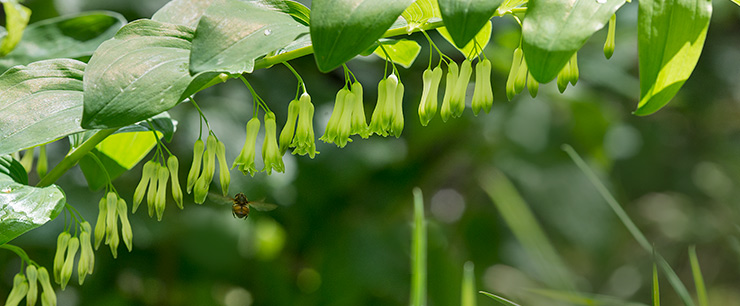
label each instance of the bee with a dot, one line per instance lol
(240, 205)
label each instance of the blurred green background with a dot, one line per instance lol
(341, 235)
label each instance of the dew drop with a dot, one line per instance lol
(6, 190)
(268, 31)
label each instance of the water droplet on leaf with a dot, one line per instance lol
(268, 32)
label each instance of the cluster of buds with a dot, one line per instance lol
(26, 285)
(67, 247)
(348, 116)
(301, 138)
(569, 73)
(271, 153)
(111, 210)
(387, 117)
(519, 76)
(200, 181)
(153, 184)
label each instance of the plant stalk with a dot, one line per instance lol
(73, 157)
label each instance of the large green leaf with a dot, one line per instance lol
(73, 36)
(553, 30)
(39, 103)
(118, 153)
(670, 37)
(141, 72)
(182, 12)
(465, 18)
(16, 19)
(341, 29)
(23, 207)
(232, 34)
(474, 46)
(401, 51)
(419, 12)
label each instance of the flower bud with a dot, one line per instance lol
(33, 289)
(457, 100)
(224, 177)
(397, 126)
(286, 135)
(451, 82)
(86, 247)
(128, 236)
(515, 63)
(48, 297)
(376, 124)
(359, 123)
(195, 167)
(270, 150)
(147, 173)
(532, 85)
(245, 160)
(574, 69)
(201, 190)
(27, 160)
(209, 164)
(331, 133)
(428, 104)
(161, 199)
(42, 163)
(564, 77)
(483, 94)
(20, 288)
(151, 192)
(83, 265)
(62, 243)
(390, 103)
(610, 41)
(304, 136)
(113, 243)
(99, 226)
(111, 220)
(66, 274)
(521, 76)
(173, 165)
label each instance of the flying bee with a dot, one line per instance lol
(240, 205)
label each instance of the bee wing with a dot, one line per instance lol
(261, 206)
(219, 199)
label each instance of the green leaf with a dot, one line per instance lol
(40, 103)
(465, 18)
(468, 285)
(499, 299)
(344, 28)
(162, 123)
(670, 35)
(584, 299)
(481, 39)
(182, 12)
(141, 72)
(13, 169)
(16, 19)
(419, 252)
(419, 12)
(74, 36)
(232, 34)
(701, 289)
(656, 286)
(23, 208)
(553, 30)
(736, 1)
(402, 52)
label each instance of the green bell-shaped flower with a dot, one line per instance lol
(270, 151)
(428, 104)
(245, 161)
(286, 135)
(359, 123)
(338, 127)
(483, 94)
(304, 140)
(450, 85)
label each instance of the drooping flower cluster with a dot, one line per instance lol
(300, 137)
(519, 76)
(387, 118)
(153, 184)
(200, 181)
(348, 117)
(26, 285)
(569, 73)
(271, 154)
(112, 209)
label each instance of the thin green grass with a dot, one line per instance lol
(467, 295)
(419, 253)
(583, 299)
(499, 299)
(701, 290)
(527, 230)
(656, 286)
(671, 275)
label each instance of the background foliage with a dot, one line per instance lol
(342, 233)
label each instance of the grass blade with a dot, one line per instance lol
(419, 252)
(673, 279)
(656, 286)
(701, 290)
(468, 286)
(527, 230)
(499, 299)
(583, 299)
